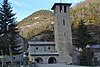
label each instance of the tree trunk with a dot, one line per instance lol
(11, 56)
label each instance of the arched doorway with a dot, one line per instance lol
(52, 60)
(39, 60)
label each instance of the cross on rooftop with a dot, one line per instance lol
(60, 1)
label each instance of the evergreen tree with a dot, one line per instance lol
(83, 39)
(9, 30)
(86, 57)
(1, 22)
(83, 36)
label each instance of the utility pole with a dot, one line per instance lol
(2, 58)
(10, 51)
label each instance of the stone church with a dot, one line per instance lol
(59, 51)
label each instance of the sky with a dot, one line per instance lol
(24, 8)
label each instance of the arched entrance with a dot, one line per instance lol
(39, 60)
(52, 60)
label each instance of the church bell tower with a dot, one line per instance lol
(62, 31)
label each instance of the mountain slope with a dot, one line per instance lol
(36, 23)
(88, 10)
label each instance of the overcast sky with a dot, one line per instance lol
(24, 8)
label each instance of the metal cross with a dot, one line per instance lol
(60, 1)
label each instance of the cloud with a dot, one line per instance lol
(17, 3)
(74, 1)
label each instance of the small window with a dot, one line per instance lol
(64, 34)
(37, 48)
(64, 9)
(60, 9)
(49, 48)
(63, 22)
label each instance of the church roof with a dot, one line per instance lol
(94, 46)
(44, 54)
(41, 43)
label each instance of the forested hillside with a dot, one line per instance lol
(36, 23)
(88, 10)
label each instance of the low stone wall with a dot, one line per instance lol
(48, 65)
(61, 65)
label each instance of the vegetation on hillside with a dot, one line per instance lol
(89, 12)
(38, 16)
(36, 23)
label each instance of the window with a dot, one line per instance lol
(49, 48)
(64, 9)
(64, 34)
(63, 22)
(37, 48)
(60, 9)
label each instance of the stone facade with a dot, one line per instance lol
(43, 52)
(62, 29)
